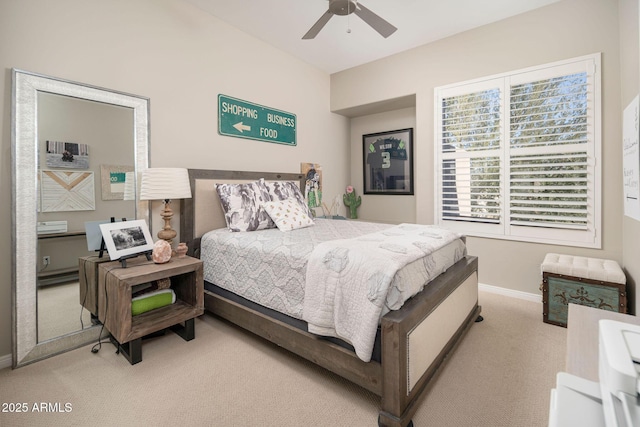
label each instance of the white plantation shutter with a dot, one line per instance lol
(516, 155)
(549, 190)
(470, 146)
(471, 189)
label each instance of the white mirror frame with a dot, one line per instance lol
(24, 152)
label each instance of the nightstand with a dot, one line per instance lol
(88, 281)
(114, 301)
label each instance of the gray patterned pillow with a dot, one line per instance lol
(242, 205)
(283, 190)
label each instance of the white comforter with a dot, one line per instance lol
(347, 281)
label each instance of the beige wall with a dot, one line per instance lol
(567, 29)
(629, 85)
(180, 58)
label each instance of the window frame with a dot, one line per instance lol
(589, 238)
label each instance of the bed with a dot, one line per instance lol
(411, 343)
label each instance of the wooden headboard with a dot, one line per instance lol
(203, 211)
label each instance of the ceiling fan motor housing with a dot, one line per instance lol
(342, 7)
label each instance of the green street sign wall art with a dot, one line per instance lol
(243, 119)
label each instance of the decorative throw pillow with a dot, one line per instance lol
(282, 190)
(242, 205)
(288, 214)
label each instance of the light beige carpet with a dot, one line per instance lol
(59, 311)
(500, 375)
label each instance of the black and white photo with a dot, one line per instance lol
(126, 238)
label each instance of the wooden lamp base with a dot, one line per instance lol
(167, 233)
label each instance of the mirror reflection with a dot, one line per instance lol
(85, 149)
(74, 149)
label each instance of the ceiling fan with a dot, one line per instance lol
(347, 7)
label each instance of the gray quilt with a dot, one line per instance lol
(269, 266)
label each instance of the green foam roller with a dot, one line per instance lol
(151, 301)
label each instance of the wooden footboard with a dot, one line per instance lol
(415, 340)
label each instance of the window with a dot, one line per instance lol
(516, 154)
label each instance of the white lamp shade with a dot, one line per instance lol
(165, 184)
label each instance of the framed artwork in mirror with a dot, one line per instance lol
(113, 181)
(64, 191)
(67, 155)
(388, 162)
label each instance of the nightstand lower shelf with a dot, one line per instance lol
(160, 318)
(115, 289)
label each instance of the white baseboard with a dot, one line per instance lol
(510, 293)
(5, 361)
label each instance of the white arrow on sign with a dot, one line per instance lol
(240, 127)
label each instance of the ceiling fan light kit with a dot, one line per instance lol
(342, 7)
(347, 7)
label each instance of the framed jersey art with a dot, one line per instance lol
(388, 162)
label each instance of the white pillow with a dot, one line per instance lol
(282, 190)
(288, 214)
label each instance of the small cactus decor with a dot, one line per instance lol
(351, 201)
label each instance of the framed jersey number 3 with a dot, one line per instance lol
(388, 162)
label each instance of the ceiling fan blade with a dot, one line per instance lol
(318, 26)
(377, 23)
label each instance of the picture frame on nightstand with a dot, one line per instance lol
(126, 238)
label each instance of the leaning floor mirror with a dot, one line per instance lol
(77, 152)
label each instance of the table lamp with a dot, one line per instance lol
(165, 184)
